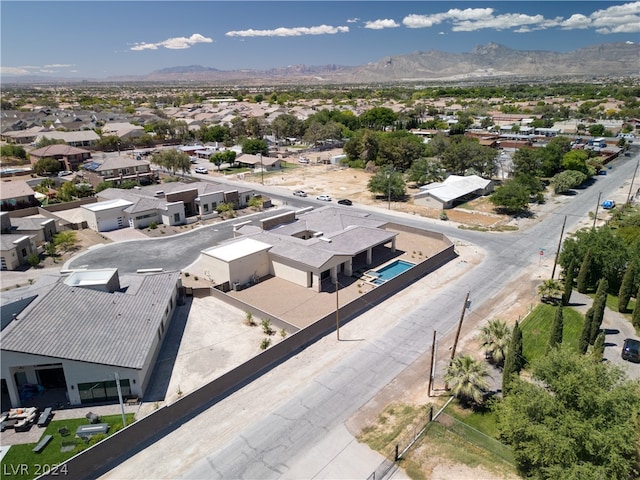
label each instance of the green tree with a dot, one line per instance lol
(635, 318)
(549, 290)
(464, 154)
(173, 160)
(564, 181)
(253, 146)
(33, 259)
(387, 183)
(67, 192)
(626, 288)
(511, 197)
(66, 240)
(577, 420)
(47, 165)
(467, 379)
(596, 130)
(514, 360)
(576, 160)
(425, 170)
(585, 334)
(287, 126)
(598, 347)
(227, 156)
(599, 305)
(555, 337)
(569, 275)
(378, 118)
(495, 338)
(583, 273)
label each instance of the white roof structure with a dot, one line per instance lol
(236, 250)
(107, 205)
(455, 186)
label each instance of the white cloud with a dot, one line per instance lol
(353, 20)
(455, 14)
(15, 70)
(32, 69)
(381, 24)
(617, 19)
(577, 21)
(289, 32)
(500, 22)
(176, 43)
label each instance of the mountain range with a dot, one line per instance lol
(484, 63)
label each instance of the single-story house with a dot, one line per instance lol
(259, 161)
(84, 329)
(16, 194)
(453, 190)
(306, 248)
(41, 229)
(122, 130)
(15, 249)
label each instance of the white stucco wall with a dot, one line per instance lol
(292, 274)
(243, 269)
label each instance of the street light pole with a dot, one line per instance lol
(337, 309)
(389, 185)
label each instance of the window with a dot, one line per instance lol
(24, 252)
(214, 205)
(176, 217)
(205, 207)
(102, 391)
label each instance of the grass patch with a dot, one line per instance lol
(22, 463)
(536, 329)
(612, 304)
(484, 420)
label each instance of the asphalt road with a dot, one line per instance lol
(277, 445)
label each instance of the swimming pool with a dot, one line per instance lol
(389, 271)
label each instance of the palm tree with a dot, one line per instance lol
(550, 290)
(495, 338)
(466, 378)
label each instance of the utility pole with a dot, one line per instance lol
(455, 342)
(632, 180)
(261, 169)
(124, 418)
(595, 217)
(337, 310)
(555, 261)
(433, 363)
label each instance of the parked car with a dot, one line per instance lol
(631, 350)
(201, 170)
(303, 160)
(345, 201)
(608, 204)
(324, 198)
(300, 193)
(65, 173)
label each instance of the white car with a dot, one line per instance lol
(300, 193)
(201, 170)
(324, 198)
(64, 173)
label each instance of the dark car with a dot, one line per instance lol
(631, 350)
(345, 201)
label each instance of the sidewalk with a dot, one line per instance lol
(617, 327)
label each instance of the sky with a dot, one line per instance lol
(98, 39)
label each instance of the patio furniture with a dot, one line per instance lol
(87, 431)
(44, 417)
(42, 443)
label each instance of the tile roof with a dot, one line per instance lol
(58, 149)
(94, 326)
(15, 189)
(112, 163)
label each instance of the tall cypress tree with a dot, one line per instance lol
(512, 363)
(598, 348)
(599, 304)
(585, 335)
(555, 337)
(635, 318)
(516, 338)
(583, 275)
(626, 288)
(569, 276)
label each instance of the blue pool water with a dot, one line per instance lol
(389, 271)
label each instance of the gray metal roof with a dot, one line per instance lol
(94, 326)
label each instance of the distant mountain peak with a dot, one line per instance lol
(187, 69)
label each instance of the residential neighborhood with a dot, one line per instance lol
(276, 227)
